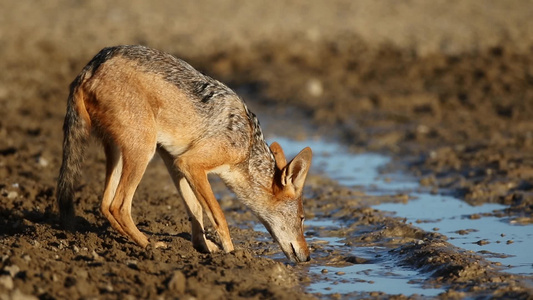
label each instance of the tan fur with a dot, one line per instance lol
(139, 101)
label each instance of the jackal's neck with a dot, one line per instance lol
(256, 173)
(252, 180)
(261, 165)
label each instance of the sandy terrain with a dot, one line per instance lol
(445, 87)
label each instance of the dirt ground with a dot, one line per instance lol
(445, 87)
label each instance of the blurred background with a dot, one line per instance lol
(385, 75)
(448, 82)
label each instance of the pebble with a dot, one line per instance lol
(177, 283)
(13, 270)
(16, 294)
(324, 271)
(43, 162)
(356, 260)
(315, 88)
(475, 216)
(95, 255)
(482, 242)
(7, 282)
(160, 245)
(108, 287)
(340, 273)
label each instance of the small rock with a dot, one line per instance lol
(238, 253)
(70, 281)
(12, 195)
(324, 271)
(482, 242)
(340, 273)
(132, 264)
(43, 162)
(82, 274)
(13, 270)
(160, 245)
(18, 295)
(315, 88)
(108, 288)
(356, 260)
(95, 256)
(177, 283)
(7, 282)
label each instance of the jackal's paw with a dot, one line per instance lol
(205, 246)
(212, 247)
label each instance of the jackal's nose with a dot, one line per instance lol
(301, 254)
(302, 257)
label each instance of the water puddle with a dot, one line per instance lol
(372, 268)
(369, 269)
(493, 237)
(375, 269)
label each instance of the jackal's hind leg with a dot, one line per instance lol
(134, 163)
(113, 173)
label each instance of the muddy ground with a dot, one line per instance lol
(444, 87)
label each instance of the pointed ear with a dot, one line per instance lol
(279, 156)
(295, 172)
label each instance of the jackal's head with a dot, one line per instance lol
(285, 217)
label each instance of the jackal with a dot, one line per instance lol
(136, 101)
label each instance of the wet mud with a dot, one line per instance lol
(452, 108)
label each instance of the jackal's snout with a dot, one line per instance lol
(300, 253)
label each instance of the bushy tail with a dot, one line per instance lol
(76, 132)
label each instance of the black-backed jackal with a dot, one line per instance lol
(139, 101)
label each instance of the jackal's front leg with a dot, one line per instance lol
(194, 209)
(199, 240)
(201, 188)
